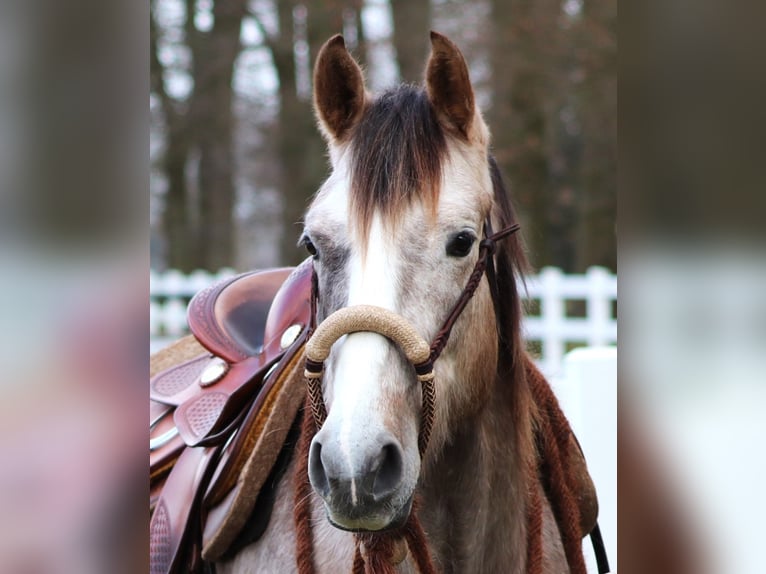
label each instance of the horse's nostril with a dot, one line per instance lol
(317, 474)
(389, 472)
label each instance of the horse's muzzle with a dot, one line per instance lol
(366, 498)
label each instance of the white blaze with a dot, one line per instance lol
(359, 369)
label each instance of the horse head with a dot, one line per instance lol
(397, 224)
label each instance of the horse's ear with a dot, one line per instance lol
(339, 94)
(448, 85)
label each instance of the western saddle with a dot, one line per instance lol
(211, 414)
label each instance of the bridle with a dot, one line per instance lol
(390, 547)
(375, 319)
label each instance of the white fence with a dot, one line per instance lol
(555, 300)
(564, 311)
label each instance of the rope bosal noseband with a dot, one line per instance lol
(381, 551)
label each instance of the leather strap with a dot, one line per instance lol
(486, 255)
(169, 524)
(216, 406)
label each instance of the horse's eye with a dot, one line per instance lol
(460, 245)
(310, 247)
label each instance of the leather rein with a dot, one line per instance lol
(424, 367)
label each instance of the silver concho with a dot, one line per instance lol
(289, 336)
(214, 370)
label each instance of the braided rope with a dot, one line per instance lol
(534, 516)
(316, 401)
(304, 539)
(442, 337)
(554, 468)
(369, 318)
(358, 566)
(374, 553)
(486, 252)
(428, 408)
(382, 552)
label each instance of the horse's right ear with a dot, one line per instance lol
(449, 87)
(339, 94)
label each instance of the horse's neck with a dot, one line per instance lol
(474, 494)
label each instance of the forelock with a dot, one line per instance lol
(397, 150)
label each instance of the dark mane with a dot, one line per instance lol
(397, 151)
(512, 265)
(511, 251)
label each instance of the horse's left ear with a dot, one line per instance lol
(449, 86)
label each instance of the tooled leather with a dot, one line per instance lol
(167, 385)
(160, 554)
(202, 413)
(289, 307)
(201, 319)
(175, 386)
(234, 493)
(236, 453)
(233, 392)
(169, 524)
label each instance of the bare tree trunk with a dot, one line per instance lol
(181, 245)
(412, 20)
(203, 125)
(596, 243)
(360, 52)
(523, 35)
(213, 94)
(300, 147)
(294, 123)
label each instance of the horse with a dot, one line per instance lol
(401, 223)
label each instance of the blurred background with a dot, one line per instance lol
(75, 213)
(235, 154)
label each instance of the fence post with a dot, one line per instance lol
(552, 315)
(599, 306)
